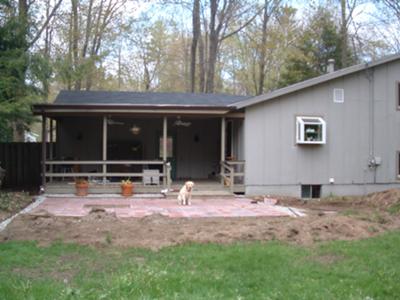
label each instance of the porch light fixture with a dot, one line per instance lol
(135, 130)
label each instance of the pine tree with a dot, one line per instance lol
(319, 42)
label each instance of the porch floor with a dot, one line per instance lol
(138, 208)
(201, 188)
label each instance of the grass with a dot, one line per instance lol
(394, 209)
(365, 269)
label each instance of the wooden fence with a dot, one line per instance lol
(22, 162)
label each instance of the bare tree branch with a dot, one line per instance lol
(241, 27)
(45, 24)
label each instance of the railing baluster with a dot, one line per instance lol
(103, 164)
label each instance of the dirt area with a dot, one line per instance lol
(334, 218)
(13, 202)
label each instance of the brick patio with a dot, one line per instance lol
(141, 207)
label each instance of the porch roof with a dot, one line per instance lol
(88, 102)
(128, 102)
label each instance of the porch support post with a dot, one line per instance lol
(51, 146)
(44, 139)
(222, 148)
(165, 124)
(104, 148)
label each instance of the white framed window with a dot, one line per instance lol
(338, 95)
(310, 130)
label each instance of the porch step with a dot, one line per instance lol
(204, 194)
(203, 190)
(100, 189)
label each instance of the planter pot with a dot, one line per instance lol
(81, 188)
(126, 190)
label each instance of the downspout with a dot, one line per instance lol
(371, 159)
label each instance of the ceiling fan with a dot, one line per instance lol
(179, 122)
(113, 122)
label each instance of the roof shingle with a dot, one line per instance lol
(145, 98)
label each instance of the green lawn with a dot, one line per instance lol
(366, 269)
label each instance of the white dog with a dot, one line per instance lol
(185, 194)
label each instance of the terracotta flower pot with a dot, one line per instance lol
(81, 188)
(127, 190)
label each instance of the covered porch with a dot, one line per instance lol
(156, 150)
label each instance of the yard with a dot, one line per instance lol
(364, 269)
(345, 248)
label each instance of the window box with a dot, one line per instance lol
(310, 130)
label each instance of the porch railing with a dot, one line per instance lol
(231, 170)
(69, 167)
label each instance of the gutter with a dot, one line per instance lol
(48, 109)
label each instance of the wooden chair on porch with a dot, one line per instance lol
(151, 177)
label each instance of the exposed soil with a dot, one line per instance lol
(343, 218)
(13, 202)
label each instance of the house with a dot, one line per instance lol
(336, 134)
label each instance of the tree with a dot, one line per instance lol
(270, 6)
(389, 17)
(160, 57)
(90, 25)
(242, 55)
(21, 71)
(150, 44)
(220, 20)
(222, 17)
(319, 42)
(345, 20)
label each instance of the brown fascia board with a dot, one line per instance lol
(44, 109)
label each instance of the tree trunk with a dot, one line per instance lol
(23, 15)
(70, 60)
(263, 50)
(147, 78)
(18, 132)
(212, 60)
(17, 124)
(195, 38)
(119, 68)
(223, 14)
(87, 31)
(75, 40)
(47, 44)
(343, 35)
(202, 65)
(212, 47)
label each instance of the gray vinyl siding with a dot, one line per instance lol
(238, 139)
(275, 163)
